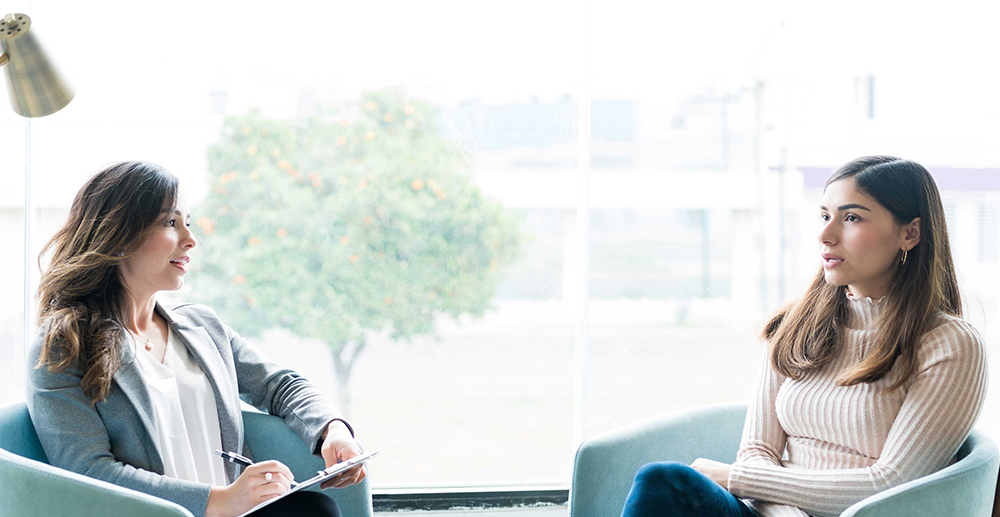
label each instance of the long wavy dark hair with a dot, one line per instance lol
(804, 335)
(82, 296)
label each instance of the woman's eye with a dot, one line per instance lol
(824, 217)
(172, 223)
(852, 218)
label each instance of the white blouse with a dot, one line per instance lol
(186, 414)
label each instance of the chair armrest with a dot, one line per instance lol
(606, 464)
(33, 489)
(269, 438)
(964, 488)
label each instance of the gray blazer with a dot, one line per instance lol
(115, 440)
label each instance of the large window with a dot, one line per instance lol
(492, 229)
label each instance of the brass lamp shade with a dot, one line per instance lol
(36, 89)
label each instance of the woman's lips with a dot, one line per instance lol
(831, 261)
(181, 263)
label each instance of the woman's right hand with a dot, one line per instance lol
(249, 490)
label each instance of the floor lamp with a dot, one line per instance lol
(36, 89)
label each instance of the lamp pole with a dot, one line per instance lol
(29, 208)
(36, 90)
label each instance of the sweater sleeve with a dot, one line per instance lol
(763, 441)
(765, 509)
(943, 401)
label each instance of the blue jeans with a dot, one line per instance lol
(672, 489)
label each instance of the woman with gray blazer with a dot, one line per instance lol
(125, 390)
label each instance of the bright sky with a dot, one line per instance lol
(143, 74)
(509, 50)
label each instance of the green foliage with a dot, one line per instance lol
(362, 218)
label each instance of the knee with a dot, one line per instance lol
(317, 504)
(665, 475)
(662, 488)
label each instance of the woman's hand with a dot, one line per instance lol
(250, 489)
(339, 445)
(714, 470)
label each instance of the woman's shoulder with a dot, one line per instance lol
(38, 340)
(51, 335)
(50, 349)
(951, 336)
(195, 312)
(203, 316)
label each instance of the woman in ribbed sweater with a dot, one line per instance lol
(871, 379)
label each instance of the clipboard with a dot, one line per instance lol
(320, 477)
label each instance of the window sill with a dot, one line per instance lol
(469, 498)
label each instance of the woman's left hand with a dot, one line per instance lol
(714, 470)
(339, 445)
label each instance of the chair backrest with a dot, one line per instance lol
(962, 488)
(605, 465)
(981, 448)
(17, 434)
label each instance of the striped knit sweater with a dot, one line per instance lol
(811, 447)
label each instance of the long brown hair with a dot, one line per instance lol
(81, 296)
(804, 335)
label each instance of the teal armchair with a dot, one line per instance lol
(605, 466)
(30, 487)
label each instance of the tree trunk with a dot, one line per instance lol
(343, 364)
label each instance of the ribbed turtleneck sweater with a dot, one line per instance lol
(811, 447)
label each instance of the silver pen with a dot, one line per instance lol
(239, 459)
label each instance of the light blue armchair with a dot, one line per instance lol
(29, 487)
(605, 466)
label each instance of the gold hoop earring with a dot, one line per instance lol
(904, 258)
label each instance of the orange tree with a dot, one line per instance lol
(361, 219)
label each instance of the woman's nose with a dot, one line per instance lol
(190, 241)
(828, 234)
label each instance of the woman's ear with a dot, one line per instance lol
(911, 234)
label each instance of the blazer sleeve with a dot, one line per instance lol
(280, 391)
(74, 437)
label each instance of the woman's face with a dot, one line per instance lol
(861, 240)
(162, 260)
